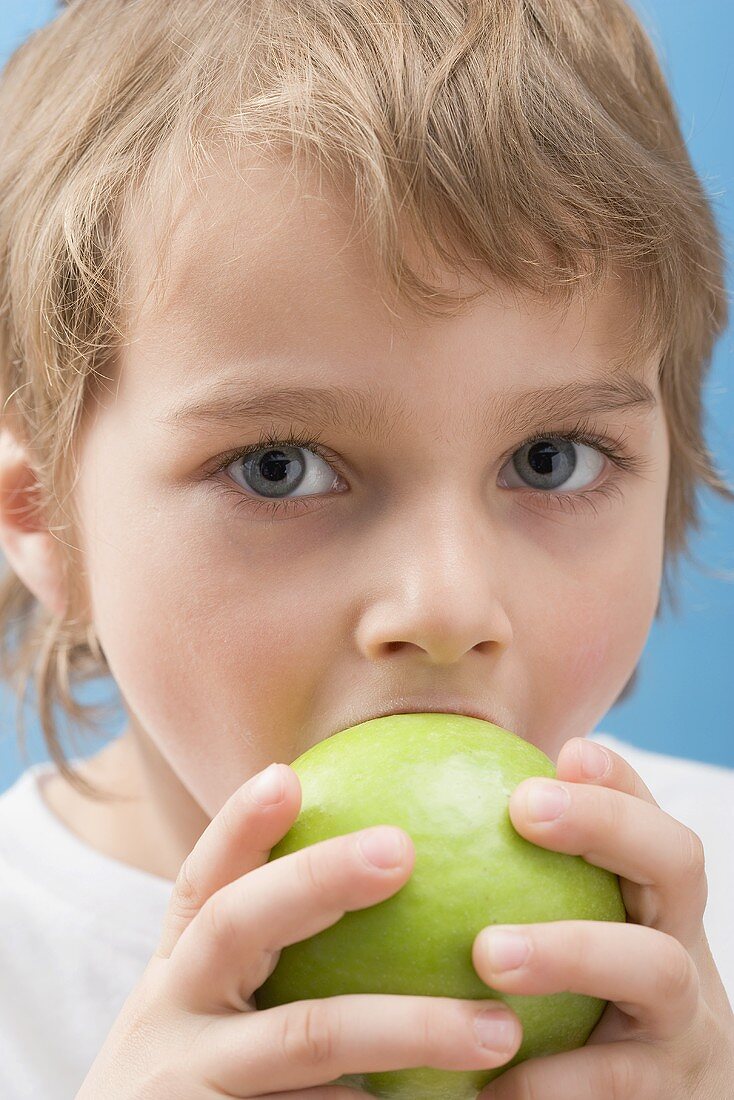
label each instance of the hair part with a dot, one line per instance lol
(539, 135)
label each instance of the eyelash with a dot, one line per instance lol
(582, 433)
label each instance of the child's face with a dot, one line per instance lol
(404, 566)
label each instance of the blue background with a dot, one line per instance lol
(684, 698)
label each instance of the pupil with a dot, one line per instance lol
(541, 457)
(275, 468)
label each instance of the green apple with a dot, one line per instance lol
(446, 779)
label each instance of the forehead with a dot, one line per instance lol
(253, 254)
(230, 250)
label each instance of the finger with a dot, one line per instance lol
(584, 761)
(313, 1042)
(634, 839)
(615, 1071)
(232, 946)
(236, 841)
(648, 975)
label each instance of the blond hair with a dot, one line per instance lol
(539, 135)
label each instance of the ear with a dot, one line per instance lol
(29, 546)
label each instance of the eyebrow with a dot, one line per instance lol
(225, 405)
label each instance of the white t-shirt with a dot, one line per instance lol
(77, 928)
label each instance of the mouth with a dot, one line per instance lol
(419, 706)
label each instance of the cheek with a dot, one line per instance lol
(614, 628)
(585, 645)
(598, 640)
(216, 654)
(598, 649)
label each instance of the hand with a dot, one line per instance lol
(191, 1029)
(668, 1031)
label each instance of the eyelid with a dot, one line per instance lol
(584, 432)
(291, 438)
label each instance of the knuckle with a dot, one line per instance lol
(620, 1077)
(432, 1030)
(220, 916)
(160, 1081)
(693, 857)
(677, 974)
(311, 872)
(230, 818)
(616, 817)
(308, 1034)
(707, 1038)
(199, 1064)
(187, 892)
(529, 1087)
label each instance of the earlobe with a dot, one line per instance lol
(28, 545)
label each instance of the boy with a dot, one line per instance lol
(276, 474)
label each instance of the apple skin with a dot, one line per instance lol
(446, 779)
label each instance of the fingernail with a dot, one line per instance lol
(268, 787)
(546, 801)
(504, 950)
(495, 1030)
(383, 847)
(595, 761)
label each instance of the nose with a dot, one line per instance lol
(440, 588)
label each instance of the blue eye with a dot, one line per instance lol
(552, 463)
(279, 471)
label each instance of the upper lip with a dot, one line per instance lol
(411, 705)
